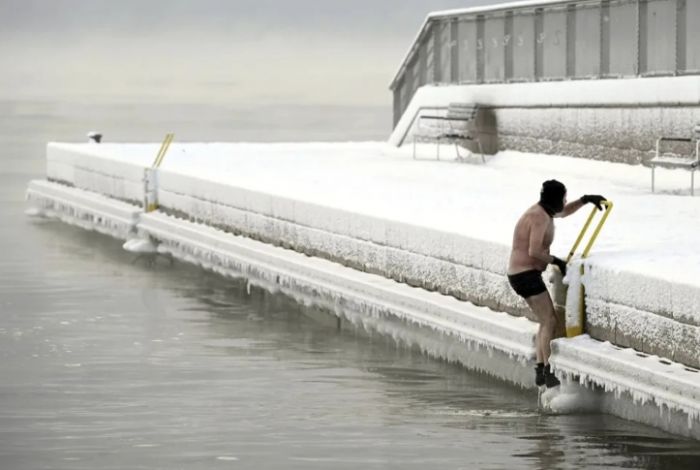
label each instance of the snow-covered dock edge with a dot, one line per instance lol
(637, 387)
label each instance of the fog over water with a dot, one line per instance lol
(243, 51)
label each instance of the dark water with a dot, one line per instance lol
(109, 362)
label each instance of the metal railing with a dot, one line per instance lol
(551, 40)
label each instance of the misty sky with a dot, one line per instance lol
(332, 52)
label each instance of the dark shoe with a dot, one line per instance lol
(550, 380)
(539, 374)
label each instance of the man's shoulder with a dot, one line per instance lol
(536, 214)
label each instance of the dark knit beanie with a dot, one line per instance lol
(552, 196)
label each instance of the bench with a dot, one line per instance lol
(688, 161)
(456, 126)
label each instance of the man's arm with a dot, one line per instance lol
(538, 229)
(570, 208)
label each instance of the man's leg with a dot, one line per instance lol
(541, 305)
(543, 308)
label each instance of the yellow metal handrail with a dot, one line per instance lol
(163, 150)
(150, 190)
(579, 328)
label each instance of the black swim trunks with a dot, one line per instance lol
(527, 283)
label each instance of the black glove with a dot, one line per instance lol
(559, 263)
(594, 199)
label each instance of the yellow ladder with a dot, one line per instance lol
(579, 328)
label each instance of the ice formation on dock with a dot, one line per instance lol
(446, 245)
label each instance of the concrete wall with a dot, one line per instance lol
(665, 322)
(613, 120)
(77, 166)
(617, 134)
(455, 265)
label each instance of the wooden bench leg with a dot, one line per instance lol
(652, 178)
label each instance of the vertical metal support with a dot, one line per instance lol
(437, 52)
(570, 41)
(681, 36)
(397, 103)
(409, 78)
(454, 51)
(480, 48)
(539, 43)
(605, 38)
(428, 40)
(422, 64)
(415, 80)
(653, 167)
(692, 181)
(405, 99)
(642, 37)
(150, 176)
(508, 47)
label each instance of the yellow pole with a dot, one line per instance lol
(150, 181)
(579, 328)
(608, 207)
(163, 149)
(581, 234)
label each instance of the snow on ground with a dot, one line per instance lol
(648, 234)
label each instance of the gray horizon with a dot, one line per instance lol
(247, 52)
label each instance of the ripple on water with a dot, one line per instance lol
(488, 413)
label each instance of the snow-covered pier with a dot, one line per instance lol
(418, 249)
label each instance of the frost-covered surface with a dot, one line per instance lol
(575, 93)
(649, 314)
(85, 209)
(573, 297)
(78, 166)
(615, 120)
(448, 224)
(466, 268)
(359, 296)
(651, 382)
(495, 343)
(140, 244)
(647, 390)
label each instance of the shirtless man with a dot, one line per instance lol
(530, 256)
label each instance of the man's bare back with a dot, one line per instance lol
(532, 237)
